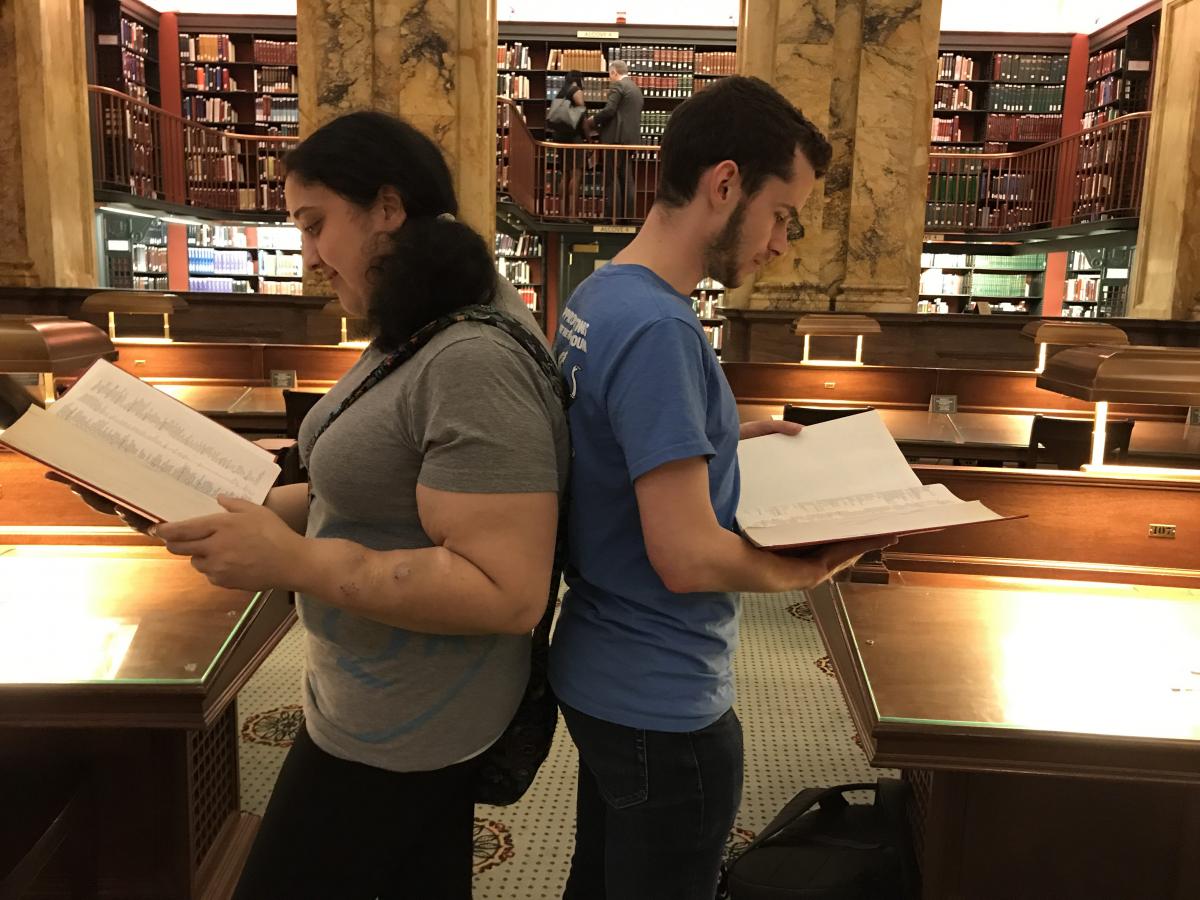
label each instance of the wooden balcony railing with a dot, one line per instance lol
(149, 152)
(1084, 177)
(594, 183)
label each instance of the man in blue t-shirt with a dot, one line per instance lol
(642, 655)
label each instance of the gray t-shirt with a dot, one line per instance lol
(471, 412)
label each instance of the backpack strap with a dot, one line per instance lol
(828, 799)
(485, 314)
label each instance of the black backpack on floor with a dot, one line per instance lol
(821, 847)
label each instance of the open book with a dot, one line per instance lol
(837, 481)
(120, 437)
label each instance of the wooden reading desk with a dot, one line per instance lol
(1050, 729)
(123, 663)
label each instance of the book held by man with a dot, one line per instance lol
(837, 481)
(128, 441)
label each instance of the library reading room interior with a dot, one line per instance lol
(1001, 265)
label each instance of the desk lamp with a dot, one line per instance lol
(1071, 334)
(1166, 376)
(335, 308)
(146, 303)
(822, 325)
(49, 346)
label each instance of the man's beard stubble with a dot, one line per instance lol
(721, 255)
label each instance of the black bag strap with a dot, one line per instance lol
(483, 313)
(829, 799)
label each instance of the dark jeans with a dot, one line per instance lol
(342, 829)
(653, 810)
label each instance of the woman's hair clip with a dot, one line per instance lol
(446, 217)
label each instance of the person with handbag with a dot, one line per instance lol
(421, 551)
(642, 656)
(567, 123)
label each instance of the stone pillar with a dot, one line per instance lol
(1166, 266)
(47, 235)
(431, 61)
(863, 72)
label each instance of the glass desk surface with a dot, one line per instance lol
(87, 615)
(1030, 654)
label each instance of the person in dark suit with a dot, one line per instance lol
(620, 122)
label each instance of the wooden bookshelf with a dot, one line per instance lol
(668, 64)
(240, 78)
(1003, 281)
(521, 258)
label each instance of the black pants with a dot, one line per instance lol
(618, 201)
(654, 809)
(338, 829)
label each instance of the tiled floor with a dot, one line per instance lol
(797, 735)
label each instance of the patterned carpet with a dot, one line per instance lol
(798, 734)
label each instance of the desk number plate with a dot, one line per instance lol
(943, 403)
(1194, 416)
(1162, 531)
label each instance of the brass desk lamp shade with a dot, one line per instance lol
(48, 346)
(1071, 334)
(146, 303)
(1166, 376)
(829, 325)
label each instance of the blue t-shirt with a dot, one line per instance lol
(648, 390)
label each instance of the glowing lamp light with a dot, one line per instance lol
(1071, 334)
(335, 309)
(834, 325)
(1156, 376)
(138, 303)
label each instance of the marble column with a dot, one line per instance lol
(46, 219)
(1166, 267)
(431, 61)
(862, 71)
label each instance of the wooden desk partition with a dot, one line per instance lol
(897, 387)
(234, 364)
(1077, 525)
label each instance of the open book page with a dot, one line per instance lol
(837, 481)
(131, 442)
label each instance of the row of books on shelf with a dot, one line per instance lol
(971, 214)
(595, 87)
(1026, 98)
(209, 109)
(135, 36)
(518, 271)
(1025, 262)
(290, 288)
(218, 285)
(571, 60)
(220, 48)
(148, 282)
(530, 296)
(715, 336)
(1023, 128)
(955, 67)
(976, 284)
(525, 245)
(717, 62)
(209, 261)
(276, 109)
(133, 67)
(149, 258)
(1101, 64)
(1096, 117)
(669, 86)
(515, 87)
(207, 78)
(953, 96)
(1029, 67)
(512, 56)
(280, 265)
(654, 125)
(654, 56)
(946, 131)
(1083, 289)
(275, 80)
(1107, 90)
